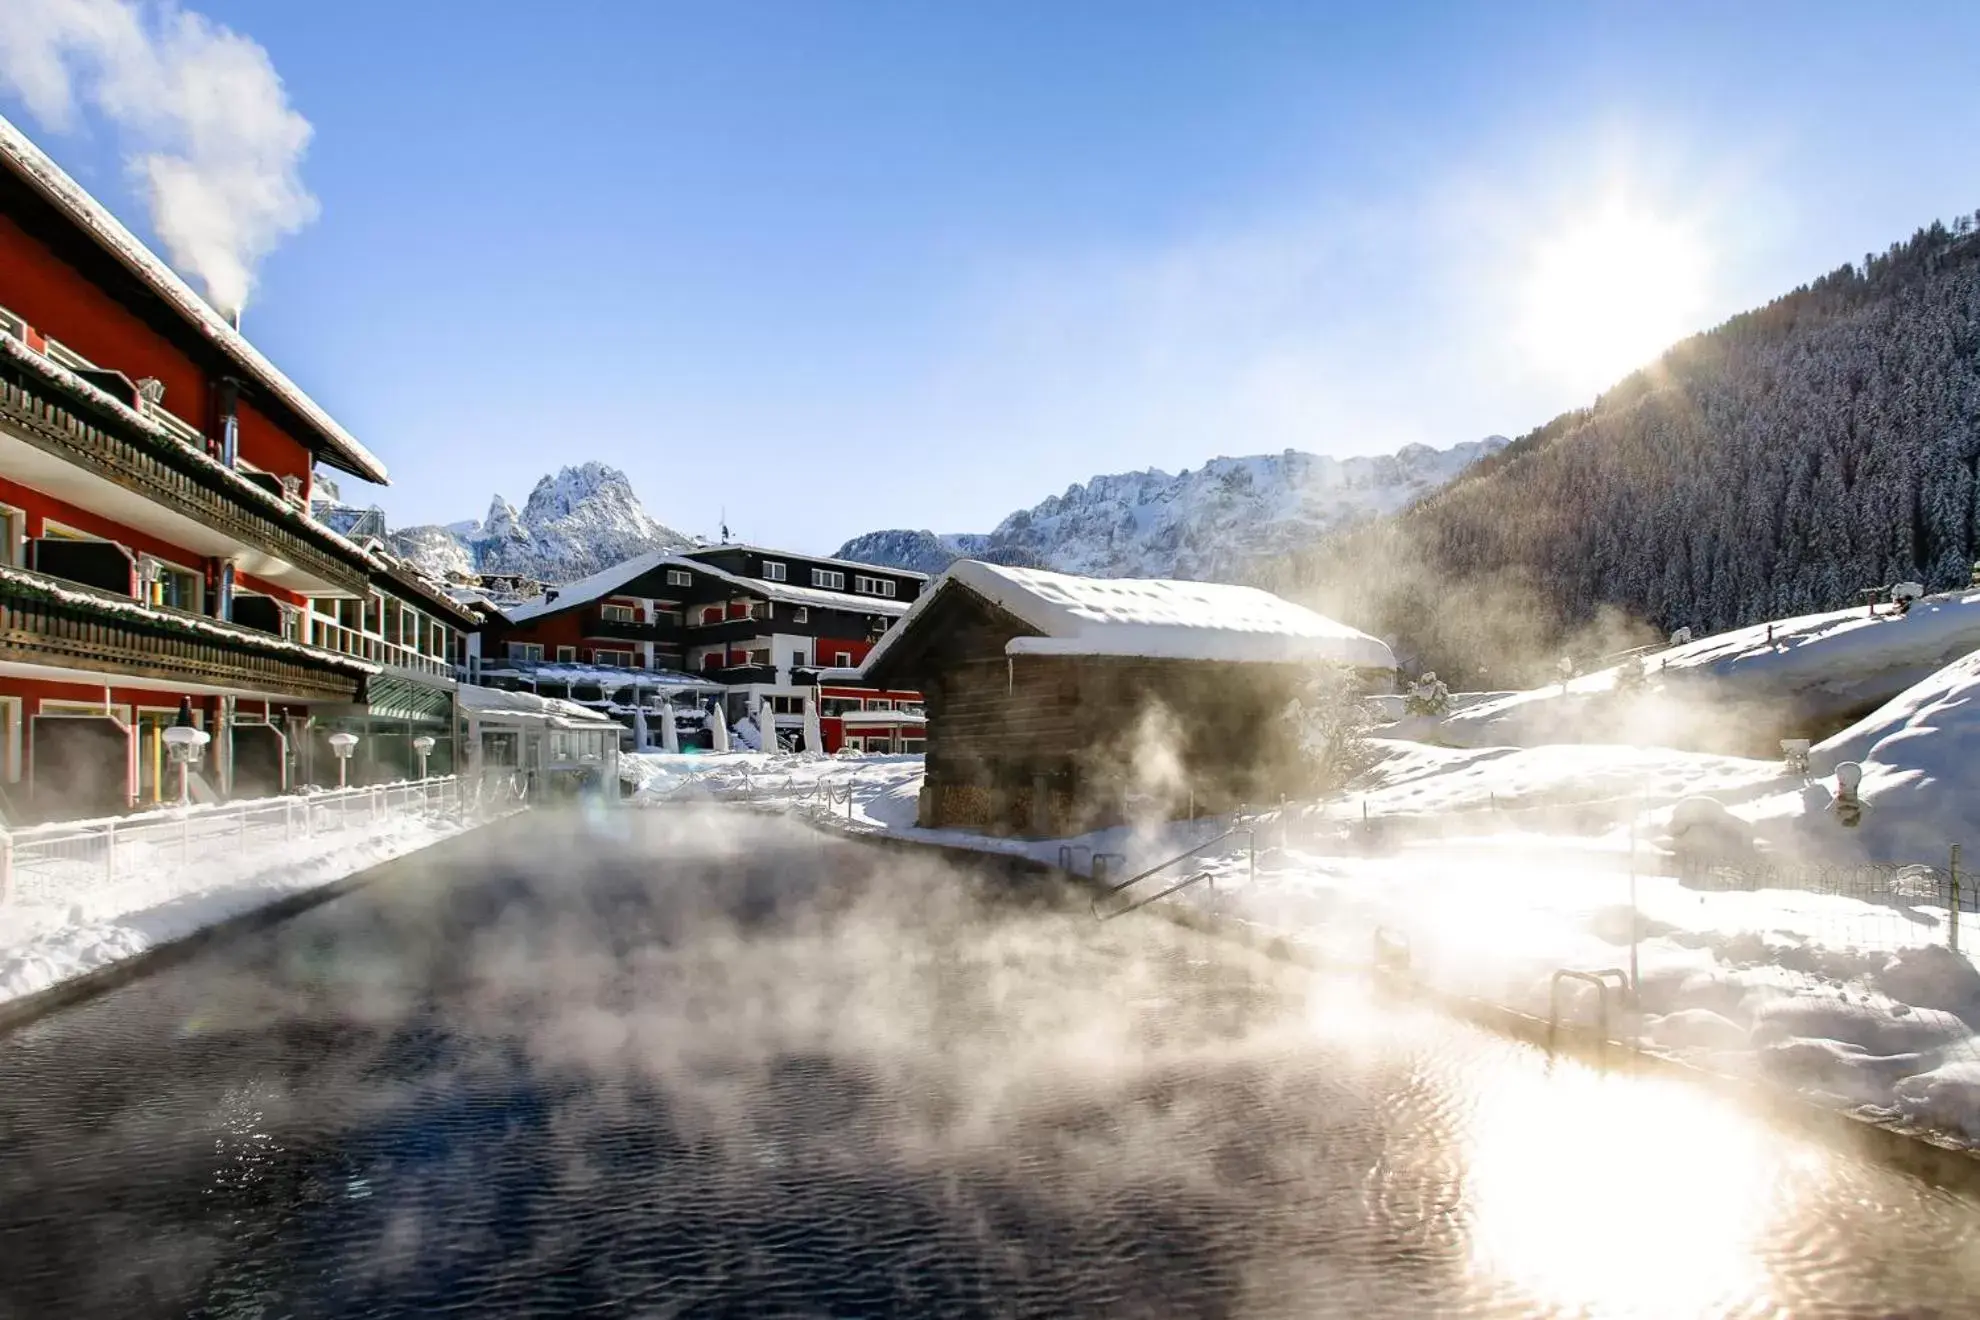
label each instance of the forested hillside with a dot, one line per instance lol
(1776, 465)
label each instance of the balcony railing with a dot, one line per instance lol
(330, 635)
(630, 630)
(46, 621)
(63, 418)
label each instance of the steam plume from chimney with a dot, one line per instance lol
(206, 128)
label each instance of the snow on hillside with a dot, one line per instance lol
(1220, 523)
(1741, 689)
(574, 524)
(1920, 754)
(927, 552)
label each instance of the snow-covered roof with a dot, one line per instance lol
(813, 596)
(775, 553)
(607, 581)
(602, 583)
(862, 718)
(486, 701)
(48, 179)
(1150, 617)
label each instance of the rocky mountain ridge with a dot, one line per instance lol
(1229, 520)
(574, 523)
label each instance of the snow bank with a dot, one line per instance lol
(1738, 689)
(1419, 779)
(1920, 754)
(54, 933)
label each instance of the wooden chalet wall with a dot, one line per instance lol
(1051, 745)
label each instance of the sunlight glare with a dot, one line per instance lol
(1609, 290)
(1621, 1195)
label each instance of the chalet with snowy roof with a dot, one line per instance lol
(158, 557)
(735, 624)
(1057, 704)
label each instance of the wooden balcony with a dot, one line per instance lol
(57, 625)
(628, 630)
(59, 437)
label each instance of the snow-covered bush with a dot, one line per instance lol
(1428, 696)
(1330, 727)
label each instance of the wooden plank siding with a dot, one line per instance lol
(1102, 739)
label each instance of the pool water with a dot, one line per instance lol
(710, 1063)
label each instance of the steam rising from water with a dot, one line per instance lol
(206, 127)
(722, 1064)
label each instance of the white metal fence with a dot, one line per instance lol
(43, 863)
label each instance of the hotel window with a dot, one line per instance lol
(829, 578)
(679, 577)
(617, 659)
(831, 707)
(174, 587)
(843, 659)
(530, 651)
(879, 703)
(566, 655)
(801, 615)
(773, 571)
(617, 613)
(13, 526)
(873, 586)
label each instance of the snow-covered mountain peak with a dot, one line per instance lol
(1225, 521)
(576, 521)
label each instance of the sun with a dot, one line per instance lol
(1610, 289)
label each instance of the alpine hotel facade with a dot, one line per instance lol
(754, 623)
(158, 560)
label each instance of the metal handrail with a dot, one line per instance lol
(1251, 837)
(1600, 981)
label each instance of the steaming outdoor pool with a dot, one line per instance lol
(716, 1064)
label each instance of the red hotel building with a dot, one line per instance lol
(157, 551)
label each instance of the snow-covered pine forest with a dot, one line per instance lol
(1774, 466)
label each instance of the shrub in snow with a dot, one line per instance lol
(1428, 696)
(1329, 725)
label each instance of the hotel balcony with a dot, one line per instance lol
(63, 436)
(58, 629)
(626, 630)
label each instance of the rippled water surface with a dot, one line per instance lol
(671, 1064)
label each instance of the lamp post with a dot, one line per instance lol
(423, 747)
(185, 743)
(343, 744)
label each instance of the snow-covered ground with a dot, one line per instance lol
(1734, 688)
(1499, 867)
(68, 918)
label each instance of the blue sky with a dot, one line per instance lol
(841, 267)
